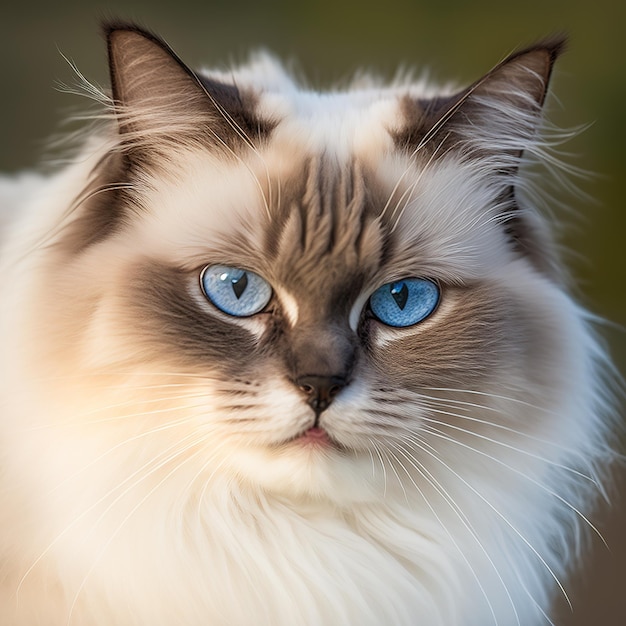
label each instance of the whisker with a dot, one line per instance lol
(382, 465)
(77, 418)
(507, 522)
(437, 433)
(207, 482)
(121, 444)
(240, 132)
(410, 191)
(520, 580)
(433, 402)
(123, 416)
(504, 444)
(495, 396)
(131, 513)
(369, 451)
(85, 512)
(120, 374)
(385, 452)
(419, 467)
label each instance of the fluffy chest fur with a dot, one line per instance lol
(181, 550)
(280, 357)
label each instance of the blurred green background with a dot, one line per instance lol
(330, 39)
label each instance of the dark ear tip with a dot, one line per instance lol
(109, 27)
(554, 46)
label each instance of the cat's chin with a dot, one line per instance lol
(309, 465)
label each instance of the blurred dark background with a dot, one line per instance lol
(330, 39)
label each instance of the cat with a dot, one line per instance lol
(274, 356)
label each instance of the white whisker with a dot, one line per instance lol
(421, 469)
(80, 417)
(503, 444)
(382, 465)
(497, 397)
(508, 523)
(81, 516)
(131, 512)
(437, 433)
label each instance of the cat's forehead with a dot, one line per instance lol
(325, 232)
(328, 194)
(336, 123)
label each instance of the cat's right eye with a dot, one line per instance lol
(405, 302)
(235, 291)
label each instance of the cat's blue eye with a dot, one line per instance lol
(405, 302)
(235, 291)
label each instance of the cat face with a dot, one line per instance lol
(304, 287)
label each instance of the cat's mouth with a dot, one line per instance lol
(315, 437)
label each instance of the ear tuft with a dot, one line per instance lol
(494, 123)
(162, 104)
(152, 89)
(523, 77)
(498, 114)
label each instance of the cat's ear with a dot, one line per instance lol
(159, 101)
(495, 117)
(494, 122)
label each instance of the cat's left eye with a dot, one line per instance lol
(405, 302)
(235, 291)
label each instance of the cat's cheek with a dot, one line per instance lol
(263, 411)
(349, 421)
(398, 351)
(550, 364)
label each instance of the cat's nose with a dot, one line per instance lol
(320, 390)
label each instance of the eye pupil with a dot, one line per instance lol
(400, 293)
(239, 284)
